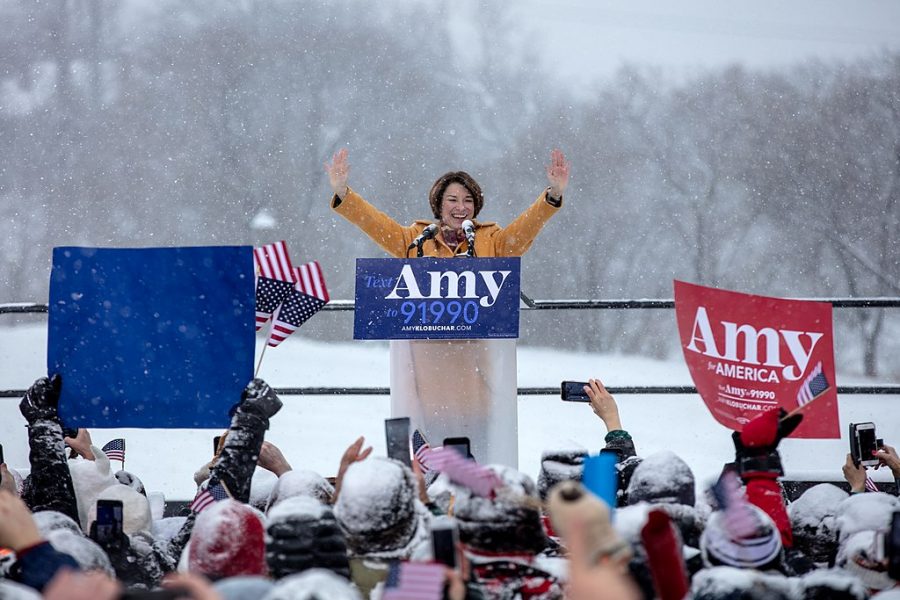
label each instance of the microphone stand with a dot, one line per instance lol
(419, 249)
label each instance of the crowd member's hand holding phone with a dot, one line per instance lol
(887, 457)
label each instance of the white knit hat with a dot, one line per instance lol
(748, 551)
(135, 508)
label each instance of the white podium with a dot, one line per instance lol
(453, 388)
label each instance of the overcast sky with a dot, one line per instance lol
(590, 38)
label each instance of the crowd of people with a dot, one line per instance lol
(311, 537)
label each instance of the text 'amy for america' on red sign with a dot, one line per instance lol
(748, 354)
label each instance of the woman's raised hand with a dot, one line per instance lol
(557, 173)
(338, 170)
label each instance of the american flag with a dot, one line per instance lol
(421, 450)
(464, 471)
(310, 280)
(209, 495)
(870, 485)
(272, 261)
(296, 309)
(739, 520)
(414, 581)
(270, 293)
(813, 386)
(115, 449)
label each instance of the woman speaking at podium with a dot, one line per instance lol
(455, 388)
(454, 198)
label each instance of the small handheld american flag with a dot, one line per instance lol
(270, 293)
(739, 519)
(421, 450)
(414, 581)
(306, 299)
(813, 386)
(272, 261)
(115, 449)
(464, 471)
(208, 496)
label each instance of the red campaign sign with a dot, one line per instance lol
(748, 354)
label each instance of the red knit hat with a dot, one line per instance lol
(228, 539)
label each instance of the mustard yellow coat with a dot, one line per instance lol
(490, 238)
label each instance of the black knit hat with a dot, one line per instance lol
(376, 508)
(510, 522)
(662, 477)
(303, 534)
(558, 466)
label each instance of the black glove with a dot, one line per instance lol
(260, 399)
(41, 401)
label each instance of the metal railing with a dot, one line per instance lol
(529, 304)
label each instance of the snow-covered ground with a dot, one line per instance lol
(314, 431)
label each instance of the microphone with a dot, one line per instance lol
(468, 228)
(427, 233)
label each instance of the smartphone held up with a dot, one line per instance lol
(396, 432)
(863, 444)
(573, 391)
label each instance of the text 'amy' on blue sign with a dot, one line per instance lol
(436, 298)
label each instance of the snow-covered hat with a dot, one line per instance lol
(135, 508)
(559, 465)
(244, 587)
(721, 546)
(228, 539)
(300, 483)
(510, 522)
(84, 550)
(727, 583)
(870, 511)
(313, 585)
(856, 555)
(51, 520)
(301, 534)
(662, 477)
(131, 480)
(89, 478)
(833, 584)
(261, 485)
(569, 501)
(376, 508)
(813, 521)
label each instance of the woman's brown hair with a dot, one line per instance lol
(436, 195)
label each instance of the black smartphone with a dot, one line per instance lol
(460, 444)
(573, 391)
(892, 547)
(444, 541)
(863, 443)
(1, 454)
(396, 431)
(216, 444)
(109, 521)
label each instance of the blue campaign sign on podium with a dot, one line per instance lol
(151, 337)
(453, 324)
(437, 298)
